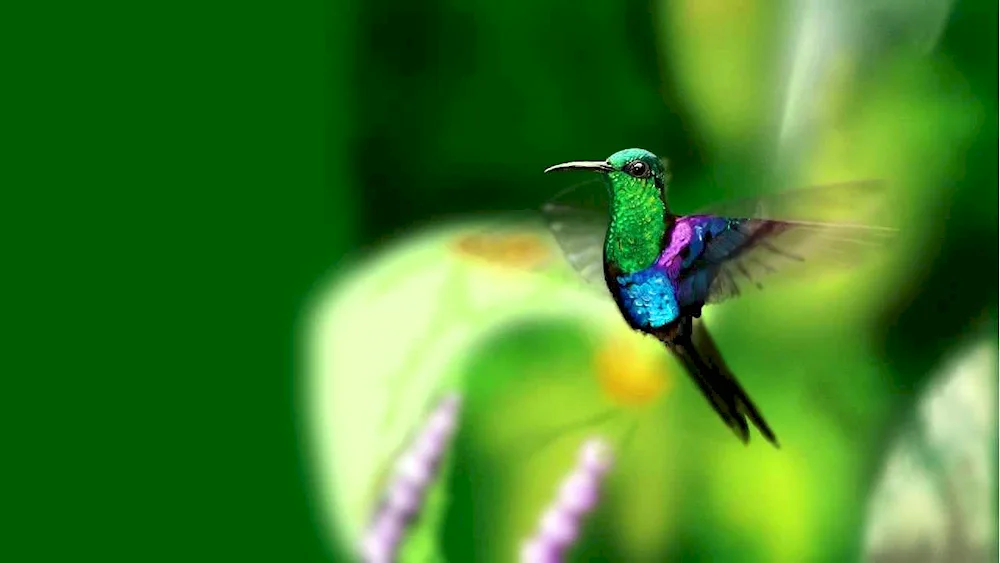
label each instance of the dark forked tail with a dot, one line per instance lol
(696, 350)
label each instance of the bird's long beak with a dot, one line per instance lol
(595, 165)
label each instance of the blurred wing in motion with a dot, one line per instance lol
(739, 249)
(847, 202)
(578, 219)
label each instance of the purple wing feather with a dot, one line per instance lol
(743, 242)
(729, 254)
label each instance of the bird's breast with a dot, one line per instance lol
(647, 298)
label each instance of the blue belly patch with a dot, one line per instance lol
(649, 298)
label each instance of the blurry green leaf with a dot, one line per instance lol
(380, 352)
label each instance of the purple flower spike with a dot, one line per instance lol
(415, 469)
(579, 493)
(404, 499)
(374, 550)
(539, 551)
(559, 527)
(388, 528)
(441, 424)
(429, 448)
(596, 457)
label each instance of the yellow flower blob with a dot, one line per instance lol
(631, 369)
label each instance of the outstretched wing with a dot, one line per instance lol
(732, 253)
(846, 202)
(578, 219)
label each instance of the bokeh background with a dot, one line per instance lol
(881, 383)
(202, 196)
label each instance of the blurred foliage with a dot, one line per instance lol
(450, 109)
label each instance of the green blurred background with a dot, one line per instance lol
(199, 171)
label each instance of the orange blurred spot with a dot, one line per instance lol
(629, 374)
(516, 250)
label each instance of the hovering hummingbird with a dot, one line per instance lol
(662, 269)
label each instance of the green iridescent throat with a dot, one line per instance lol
(638, 223)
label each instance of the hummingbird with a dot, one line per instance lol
(661, 269)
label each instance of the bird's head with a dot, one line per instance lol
(629, 173)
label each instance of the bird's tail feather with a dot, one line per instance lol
(697, 351)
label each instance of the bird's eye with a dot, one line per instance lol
(638, 169)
